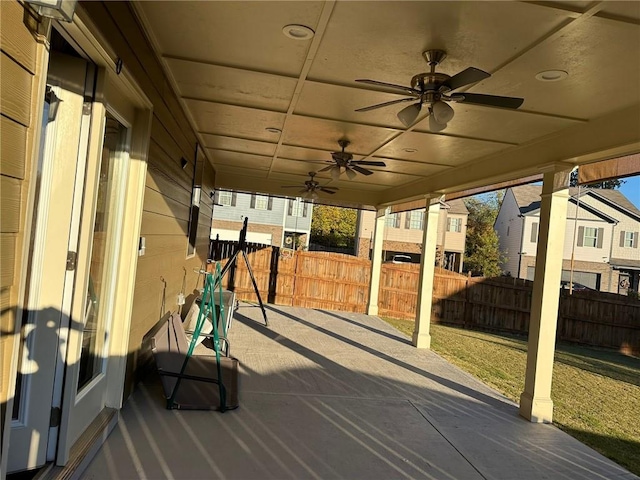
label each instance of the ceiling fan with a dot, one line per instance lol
(435, 89)
(344, 162)
(311, 188)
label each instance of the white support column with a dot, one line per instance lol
(421, 336)
(535, 401)
(376, 262)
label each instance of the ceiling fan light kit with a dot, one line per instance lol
(409, 114)
(311, 188)
(435, 89)
(344, 162)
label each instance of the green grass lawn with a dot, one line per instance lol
(596, 392)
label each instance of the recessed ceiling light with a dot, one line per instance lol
(552, 75)
(298, 32)
(273, 130)
(410, 150)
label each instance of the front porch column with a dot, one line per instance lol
(376, 262)
(535, 401)
(421, 336)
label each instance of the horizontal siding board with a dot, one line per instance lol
(13, 145)
(10, 205)
(162, 161)
(7, 259)
(156, 224)
(161, 182)
(15, 38)
(156, 202)
(15, 91)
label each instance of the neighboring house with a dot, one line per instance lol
(602, 235)
(403, 234)
(272, 220)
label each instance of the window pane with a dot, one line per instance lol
(93, 335)
(297, 207)
(417, 220)
(628, 239)
(224, 198)
(262, 202)
(590, 236)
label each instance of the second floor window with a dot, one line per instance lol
(261, 202)
(454, 224)
(629, 239)
(225, 198)
(416, 219)
(297, 208)
(393, 220)
(590, 238)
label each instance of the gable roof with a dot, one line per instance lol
(615, 199)
(528, 199)
(457, 206)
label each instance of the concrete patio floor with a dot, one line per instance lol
(340, 395)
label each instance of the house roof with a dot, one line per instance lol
(457, 206)
(528, 199)
(615, 197)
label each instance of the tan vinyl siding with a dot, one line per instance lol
(511, 244)
(19, 106)
(165, 219)
(454, 241)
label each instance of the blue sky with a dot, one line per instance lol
(631, 189)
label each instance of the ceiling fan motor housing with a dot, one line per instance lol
(430, 82)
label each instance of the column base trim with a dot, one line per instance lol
(421, 340)
(372, 310)
(536, 410)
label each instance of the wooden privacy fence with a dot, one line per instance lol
(335, 281)
(326, 280)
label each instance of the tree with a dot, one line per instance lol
(611, 184)
(333, 226)
(482, 252)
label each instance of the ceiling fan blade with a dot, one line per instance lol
(385, 104)
(361, 170)
(491, 100)
(329, 167)
(327, 190)
(367, 162)
(409, 90)
(466, 77)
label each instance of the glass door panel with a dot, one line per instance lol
(94, 336)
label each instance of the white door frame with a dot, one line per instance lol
(121, 90)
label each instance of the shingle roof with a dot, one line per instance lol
(457, 206)
(616, 197)
(527, 197)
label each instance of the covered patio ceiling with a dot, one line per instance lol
(267, 107)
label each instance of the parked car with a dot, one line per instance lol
(401, 259)
(576, 286)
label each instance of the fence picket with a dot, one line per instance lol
(336, 281)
